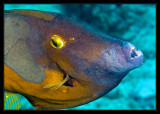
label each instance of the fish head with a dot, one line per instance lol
(94, 62)
(90, 64)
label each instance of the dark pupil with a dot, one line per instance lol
(54, 43)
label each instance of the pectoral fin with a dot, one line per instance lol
(57, 85)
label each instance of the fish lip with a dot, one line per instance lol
(133, 54)
(136, 56)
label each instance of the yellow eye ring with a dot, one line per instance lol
(56, 42)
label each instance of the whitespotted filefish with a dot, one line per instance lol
(56, 63)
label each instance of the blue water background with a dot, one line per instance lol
(135, 23)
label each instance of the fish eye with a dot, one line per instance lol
(56, 42)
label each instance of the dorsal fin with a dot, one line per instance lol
(39, 14)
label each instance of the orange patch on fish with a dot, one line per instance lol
(38, 14)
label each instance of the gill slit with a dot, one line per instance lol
(57, 85)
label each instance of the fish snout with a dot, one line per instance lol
(132, 54)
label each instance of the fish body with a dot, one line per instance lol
(56, 63)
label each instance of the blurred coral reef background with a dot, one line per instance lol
(135, 23)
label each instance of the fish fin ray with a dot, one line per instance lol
(57, 85)
(12, 101)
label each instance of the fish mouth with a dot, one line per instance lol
(133, 55)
